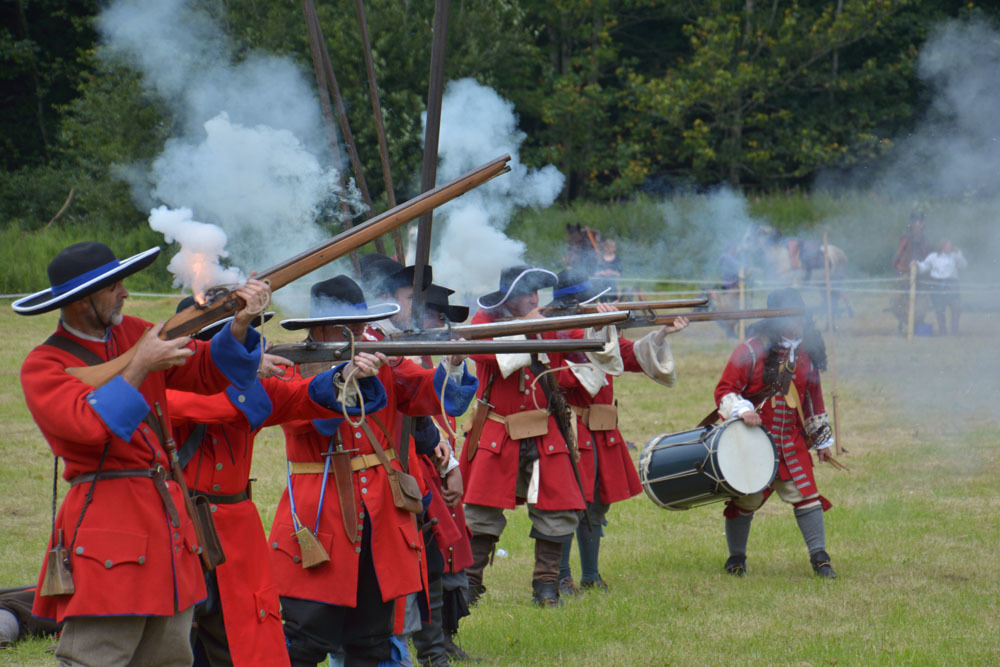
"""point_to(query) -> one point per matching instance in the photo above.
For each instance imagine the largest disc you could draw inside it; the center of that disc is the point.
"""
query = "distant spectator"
(912, 248)
(943, 266)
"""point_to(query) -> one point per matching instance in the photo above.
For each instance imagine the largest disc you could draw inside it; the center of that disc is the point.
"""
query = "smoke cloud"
(202, 245)
(469, 245)
(251, 153)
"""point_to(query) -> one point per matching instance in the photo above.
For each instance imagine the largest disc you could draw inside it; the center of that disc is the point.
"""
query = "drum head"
(746, 457)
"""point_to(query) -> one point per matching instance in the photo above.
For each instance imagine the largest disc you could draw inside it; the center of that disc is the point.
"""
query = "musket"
(308, 352)
(640, 320)
(625, 305)
(221, 302)
(514, 327)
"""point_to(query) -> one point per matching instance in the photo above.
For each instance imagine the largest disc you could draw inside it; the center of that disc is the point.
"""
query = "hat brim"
(453, 313)
(44, 301)
(378, 312)
(529, 281)
(590, 295)
(209, 332)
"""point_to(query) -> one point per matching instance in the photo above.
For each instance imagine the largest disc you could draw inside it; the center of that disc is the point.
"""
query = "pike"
(513, 327)
(625, 305)
(637, 320)
(309, 352)
(222, 302)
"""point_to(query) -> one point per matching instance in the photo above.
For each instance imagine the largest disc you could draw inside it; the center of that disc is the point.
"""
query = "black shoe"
(546, 594)
(567, 587)
(736, 565)
(598, 585)
(474, 593)
(821, 565)
(456, 652)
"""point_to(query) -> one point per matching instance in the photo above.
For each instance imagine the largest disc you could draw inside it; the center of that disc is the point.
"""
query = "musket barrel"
(514, 327)
(309, 352)
(662, 304)
(712, 316)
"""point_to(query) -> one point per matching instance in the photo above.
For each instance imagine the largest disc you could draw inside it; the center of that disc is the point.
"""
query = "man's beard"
(116, 318)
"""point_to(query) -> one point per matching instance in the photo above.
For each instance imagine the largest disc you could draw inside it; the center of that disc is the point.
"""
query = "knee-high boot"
(482, 549)
(545, 579)
(429, 640)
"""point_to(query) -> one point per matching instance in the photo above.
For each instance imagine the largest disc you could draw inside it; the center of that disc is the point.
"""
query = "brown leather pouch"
(212, 554)
(405, 491)
(313, 553)
(527, 424)
(58, 577)
(476, 431)
(602, 417)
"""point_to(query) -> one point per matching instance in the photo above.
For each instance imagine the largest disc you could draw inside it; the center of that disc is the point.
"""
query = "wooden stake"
(913, 301)
(741, 326)
(831, 348)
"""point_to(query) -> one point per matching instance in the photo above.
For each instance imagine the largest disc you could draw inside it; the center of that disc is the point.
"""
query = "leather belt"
(497, 417)
(580, 412)
(361, 462)
(217, 499)
(120, 474)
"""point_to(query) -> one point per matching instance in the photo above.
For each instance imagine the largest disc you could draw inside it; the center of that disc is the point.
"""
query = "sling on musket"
(639, 320)
(222, 302)
(514, 327)
(308, 352)
(662, 304)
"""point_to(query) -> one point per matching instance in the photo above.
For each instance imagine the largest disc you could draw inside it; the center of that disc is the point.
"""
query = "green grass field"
(913, 532)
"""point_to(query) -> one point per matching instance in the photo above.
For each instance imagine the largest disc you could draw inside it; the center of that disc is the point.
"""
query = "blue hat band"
(572, 289)
(83, 278)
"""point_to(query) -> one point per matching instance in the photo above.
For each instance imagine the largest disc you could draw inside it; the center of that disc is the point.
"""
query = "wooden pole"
(913, 301)
(831, 347)
(428, 174)
(741, 325)
(383, 144)
(331, 128)
(345, 127)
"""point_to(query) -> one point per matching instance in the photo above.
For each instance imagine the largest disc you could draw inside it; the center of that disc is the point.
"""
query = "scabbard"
(341, 464)
(478, 421)
(160, 482)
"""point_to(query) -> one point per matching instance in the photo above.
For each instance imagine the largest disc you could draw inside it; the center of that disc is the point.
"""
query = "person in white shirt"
(942, 266)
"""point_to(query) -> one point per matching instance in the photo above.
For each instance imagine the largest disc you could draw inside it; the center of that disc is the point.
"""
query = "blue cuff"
(120, 406)
(328, 426)
(322, 391)
(426, 500)
(457, 397)
(425, 435)
(239, 363)
(254, 403)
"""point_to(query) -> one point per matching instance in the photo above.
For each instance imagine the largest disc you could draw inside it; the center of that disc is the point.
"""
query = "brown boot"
(545, 579)
(482, 553)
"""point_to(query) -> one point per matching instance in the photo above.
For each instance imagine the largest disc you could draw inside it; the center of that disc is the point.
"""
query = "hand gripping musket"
(222, 302)
(644, 320)
(514, 327)
(625, 305)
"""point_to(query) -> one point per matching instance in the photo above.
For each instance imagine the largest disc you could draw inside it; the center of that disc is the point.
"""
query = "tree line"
(623, 96)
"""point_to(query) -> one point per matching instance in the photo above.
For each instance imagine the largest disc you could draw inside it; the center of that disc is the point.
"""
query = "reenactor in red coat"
(122, 532)
(345, 543)
(520, 455)
(606, 468)
(782, 359)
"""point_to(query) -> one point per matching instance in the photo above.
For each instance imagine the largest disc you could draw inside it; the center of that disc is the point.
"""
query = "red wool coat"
(744, 375)
(127, 558)
(221, 466)
(397, 548)
(619, 479)
(491, 477)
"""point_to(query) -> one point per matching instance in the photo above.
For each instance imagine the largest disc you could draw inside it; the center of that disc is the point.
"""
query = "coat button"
(493, 444)
(364, 479)
(177, 536)
(142, 559)
(216, 487)
(361, 515)
(108, 564)
(263, 613)
(79, 550)
(357, 434)
(365, 490)
(551, 447)
(274, 544)
(295, 559)
(612, 439)
(357, 550)
(213, 508)
(241, 398)
(218, 466)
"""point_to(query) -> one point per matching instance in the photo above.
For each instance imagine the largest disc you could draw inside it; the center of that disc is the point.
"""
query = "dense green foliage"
(623, 96)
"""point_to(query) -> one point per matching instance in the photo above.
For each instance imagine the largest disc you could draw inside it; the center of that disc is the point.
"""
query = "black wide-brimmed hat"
(339, 300)
(215, 327)
(80, 270)
(517, 281)
(437, 300)
(381, 274)
(574, 287)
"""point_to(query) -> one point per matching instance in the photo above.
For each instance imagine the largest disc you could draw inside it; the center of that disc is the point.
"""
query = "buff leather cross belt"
(357, 463)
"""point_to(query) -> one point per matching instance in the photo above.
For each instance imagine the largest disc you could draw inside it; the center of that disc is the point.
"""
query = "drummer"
(772, 380)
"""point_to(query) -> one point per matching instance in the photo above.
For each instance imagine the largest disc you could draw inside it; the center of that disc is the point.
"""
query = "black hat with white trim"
(437, 300)
(517, 281)
(215, 327)
(339, 300)
(79, 271)
(574, 288)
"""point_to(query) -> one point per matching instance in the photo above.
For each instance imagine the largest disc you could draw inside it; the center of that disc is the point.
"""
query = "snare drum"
(679, 471)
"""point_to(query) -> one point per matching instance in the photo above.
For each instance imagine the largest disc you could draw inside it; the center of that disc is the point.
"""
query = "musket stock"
(663, 304)
(638, 320)
(309, 352)
(222, 303)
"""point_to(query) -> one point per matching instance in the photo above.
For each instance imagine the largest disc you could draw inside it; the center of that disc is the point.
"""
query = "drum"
(705, 465)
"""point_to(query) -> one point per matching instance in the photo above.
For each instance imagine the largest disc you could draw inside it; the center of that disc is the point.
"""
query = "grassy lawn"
(912, 534)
